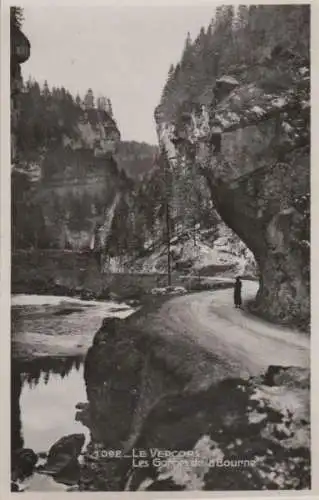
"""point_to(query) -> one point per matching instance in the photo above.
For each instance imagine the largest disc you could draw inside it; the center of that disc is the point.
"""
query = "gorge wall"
(251, 141)
(162, 392)
(66, 187)
(19, 53)
(161, 409)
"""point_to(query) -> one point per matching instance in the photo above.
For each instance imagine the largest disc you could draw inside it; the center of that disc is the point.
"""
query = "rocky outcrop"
(156, 425)
(71, 191)
(136, 158)
(238, 435)
(253, 147)
(62, 461)
(17, 441)
(22, 463)
(19, 53)
(65, 182)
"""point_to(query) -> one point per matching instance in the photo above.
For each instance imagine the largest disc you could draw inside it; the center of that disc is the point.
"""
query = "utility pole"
(169, 274)
(167, 215)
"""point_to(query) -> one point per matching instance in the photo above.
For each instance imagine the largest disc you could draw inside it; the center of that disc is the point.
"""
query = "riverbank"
(195, 376)
(50, 339)
(57, 326)
(77, 274)
(149, 372)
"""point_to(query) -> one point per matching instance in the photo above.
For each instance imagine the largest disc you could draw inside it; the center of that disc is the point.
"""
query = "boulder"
(14, 487)
(237, 435)
(289, 376)
(63, 454)
(23, 463)
(254, 152)
(108, 329)
(82, 406)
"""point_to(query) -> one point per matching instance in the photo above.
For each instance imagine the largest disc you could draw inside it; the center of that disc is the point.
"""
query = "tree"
(186, 56)
(109, 108)
(188, 42)
(78, 100)
(241, 19)
(16, 17)
(89, 99)
(46, 90)
(171, 72)
(101, 103)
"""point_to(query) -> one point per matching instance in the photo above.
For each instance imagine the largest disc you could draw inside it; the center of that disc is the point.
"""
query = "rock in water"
(64, 453)
(14, 486)
(23, 463)
(290, 376)
(82, 405)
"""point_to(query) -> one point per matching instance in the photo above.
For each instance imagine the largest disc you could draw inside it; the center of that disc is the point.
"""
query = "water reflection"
(16, 386)
(44, 393)
(31, 372)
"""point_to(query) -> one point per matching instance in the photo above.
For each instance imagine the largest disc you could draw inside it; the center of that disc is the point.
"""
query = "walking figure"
(237, 292)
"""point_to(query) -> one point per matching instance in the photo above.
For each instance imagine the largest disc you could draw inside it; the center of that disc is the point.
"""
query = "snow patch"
(184, 472)
(169, 290)
(287, 127)
(224, 122)
(280, 102)
(305, 104)
(255, 417)
(227, 79)
(304, 70)
(259, 111)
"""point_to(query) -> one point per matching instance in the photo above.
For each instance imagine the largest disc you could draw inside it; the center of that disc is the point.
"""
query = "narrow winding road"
(247, 344)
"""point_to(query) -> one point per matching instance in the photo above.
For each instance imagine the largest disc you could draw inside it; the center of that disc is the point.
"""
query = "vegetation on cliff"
(60, 152)
(136, 158)
(240, 43)
(64, 147)
(236, 108)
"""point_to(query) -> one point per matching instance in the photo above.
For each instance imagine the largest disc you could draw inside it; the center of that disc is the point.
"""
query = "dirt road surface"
(244, 344)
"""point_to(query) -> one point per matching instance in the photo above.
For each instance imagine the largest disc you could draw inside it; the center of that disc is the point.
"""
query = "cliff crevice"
(253, 148)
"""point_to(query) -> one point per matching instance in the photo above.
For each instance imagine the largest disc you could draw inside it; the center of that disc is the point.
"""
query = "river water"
(50, 337)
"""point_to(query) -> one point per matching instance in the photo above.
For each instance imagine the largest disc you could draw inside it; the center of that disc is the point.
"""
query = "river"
(50, 337)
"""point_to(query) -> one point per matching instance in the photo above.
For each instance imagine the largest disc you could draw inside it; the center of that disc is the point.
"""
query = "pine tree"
(171, 72)
(241, 17)
(188, 42)
(89, 99)
(187, 51)
(46, 90)
(101, 103)
(78, 100)
(16, 17)
(109, 107)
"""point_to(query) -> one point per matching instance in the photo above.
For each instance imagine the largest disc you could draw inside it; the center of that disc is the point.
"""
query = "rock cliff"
(251, 142)
(70, 187)
(19, 53)
(146, 402)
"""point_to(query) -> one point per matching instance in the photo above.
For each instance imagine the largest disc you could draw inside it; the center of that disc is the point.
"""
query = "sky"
(121, 52)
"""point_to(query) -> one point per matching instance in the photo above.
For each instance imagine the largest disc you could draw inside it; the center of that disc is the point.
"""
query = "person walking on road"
(237, 292)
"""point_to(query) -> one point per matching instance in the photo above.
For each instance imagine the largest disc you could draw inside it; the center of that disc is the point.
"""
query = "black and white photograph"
(160, 247)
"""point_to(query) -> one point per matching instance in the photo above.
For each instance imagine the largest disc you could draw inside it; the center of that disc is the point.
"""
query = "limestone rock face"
(64, 192)
(233, 433)
(253, 148)
(19, 53)
(238, 435)
(122, 382)
(71, 189)
(63, 454)
(23, 463)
